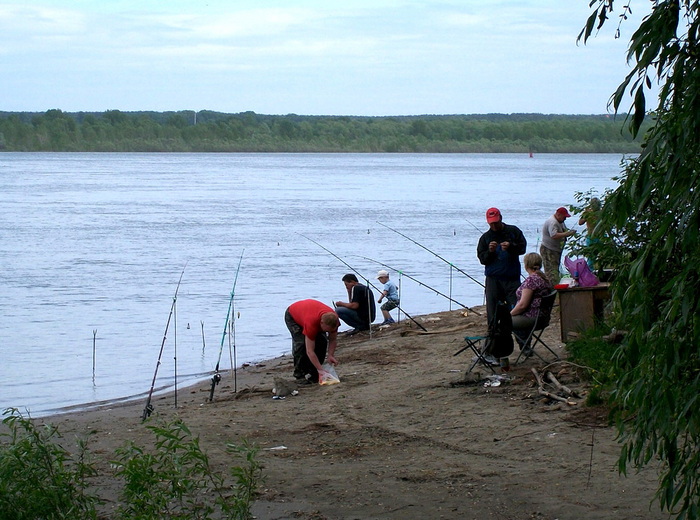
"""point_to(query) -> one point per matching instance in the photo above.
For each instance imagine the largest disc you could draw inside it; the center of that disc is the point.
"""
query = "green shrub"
(594, 354)
(38, 477)
(176, 481)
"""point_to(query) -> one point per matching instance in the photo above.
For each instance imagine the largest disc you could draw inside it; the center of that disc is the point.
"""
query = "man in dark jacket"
(499, 250)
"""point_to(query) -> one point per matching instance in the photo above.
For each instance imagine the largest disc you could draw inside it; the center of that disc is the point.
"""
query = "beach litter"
(497, 380)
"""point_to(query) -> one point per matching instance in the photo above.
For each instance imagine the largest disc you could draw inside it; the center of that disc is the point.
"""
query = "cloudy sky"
(311, 57)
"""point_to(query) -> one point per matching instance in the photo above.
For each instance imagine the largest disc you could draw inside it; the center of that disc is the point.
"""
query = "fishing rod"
(422, 284)
(148, 409)
(175, 354)
(358, 273)
(473, 225)
(434, 253)
(216, 378)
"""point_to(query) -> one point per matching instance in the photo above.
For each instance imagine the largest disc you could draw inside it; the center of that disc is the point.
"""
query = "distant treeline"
(207, 131)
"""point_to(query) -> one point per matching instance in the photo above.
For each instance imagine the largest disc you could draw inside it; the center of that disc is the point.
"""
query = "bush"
(176, 481)
(172, 480)
(39, 478)
(595, 354)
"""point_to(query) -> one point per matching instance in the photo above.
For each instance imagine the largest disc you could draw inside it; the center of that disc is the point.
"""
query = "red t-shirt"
(307, 314)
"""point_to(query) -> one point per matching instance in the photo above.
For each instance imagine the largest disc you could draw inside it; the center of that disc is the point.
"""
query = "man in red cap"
(554, 235)
(498, 251)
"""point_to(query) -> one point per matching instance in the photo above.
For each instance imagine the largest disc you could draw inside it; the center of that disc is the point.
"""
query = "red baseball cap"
(563, 211)
(493, 215)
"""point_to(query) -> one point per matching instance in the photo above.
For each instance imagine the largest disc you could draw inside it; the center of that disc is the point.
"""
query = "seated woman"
(529, 294)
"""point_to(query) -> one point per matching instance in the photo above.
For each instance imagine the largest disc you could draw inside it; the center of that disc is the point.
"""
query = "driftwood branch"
(545, 393)
(559, 386)
(537, 377)
(615, 337)
(442, 331)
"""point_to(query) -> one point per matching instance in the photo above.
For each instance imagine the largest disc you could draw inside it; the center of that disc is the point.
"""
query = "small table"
(580, 307)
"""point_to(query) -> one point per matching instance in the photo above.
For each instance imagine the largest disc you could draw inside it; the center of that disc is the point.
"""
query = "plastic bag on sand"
(329, 376)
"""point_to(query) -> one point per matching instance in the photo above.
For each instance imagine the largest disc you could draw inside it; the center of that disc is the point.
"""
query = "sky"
(309, 57)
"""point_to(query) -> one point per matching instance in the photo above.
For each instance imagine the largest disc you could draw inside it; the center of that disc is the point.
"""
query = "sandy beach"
(404, 435)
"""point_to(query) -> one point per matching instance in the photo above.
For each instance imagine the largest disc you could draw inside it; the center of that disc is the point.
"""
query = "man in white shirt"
(554, 235)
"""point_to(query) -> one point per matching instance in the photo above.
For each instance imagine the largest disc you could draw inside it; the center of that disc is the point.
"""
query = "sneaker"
(352, 332)
(488, 359)
(389, 321)
(302, 381)
(491, 360)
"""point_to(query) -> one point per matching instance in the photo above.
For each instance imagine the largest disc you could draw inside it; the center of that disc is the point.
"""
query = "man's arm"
(563, 234)
(311, 352)
(352, 305)
(332, 345)
(518, 245)
(483, 253)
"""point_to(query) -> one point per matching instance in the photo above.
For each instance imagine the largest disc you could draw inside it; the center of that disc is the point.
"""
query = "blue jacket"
(502, 265)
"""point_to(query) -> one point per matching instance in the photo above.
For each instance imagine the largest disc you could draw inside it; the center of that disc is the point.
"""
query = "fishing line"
(216, 378)
(434, 253)
(360, 275)
(421, 284)
(148, 409)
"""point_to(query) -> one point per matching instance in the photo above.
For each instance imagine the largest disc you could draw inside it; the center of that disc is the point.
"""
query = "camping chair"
(498, 340)
(544, 315)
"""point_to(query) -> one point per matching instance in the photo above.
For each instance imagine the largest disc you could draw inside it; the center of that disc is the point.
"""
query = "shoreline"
(404, 435)
(248, 369)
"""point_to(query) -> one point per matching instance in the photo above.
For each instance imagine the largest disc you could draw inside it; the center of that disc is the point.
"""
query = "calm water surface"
(92, 246)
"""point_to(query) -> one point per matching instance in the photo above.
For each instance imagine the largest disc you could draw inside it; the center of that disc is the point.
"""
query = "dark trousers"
(352, 318)
(500, 291)
(522, 326)
(302, 363)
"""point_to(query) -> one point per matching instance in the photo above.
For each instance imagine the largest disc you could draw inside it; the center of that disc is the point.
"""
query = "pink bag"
(579, 270)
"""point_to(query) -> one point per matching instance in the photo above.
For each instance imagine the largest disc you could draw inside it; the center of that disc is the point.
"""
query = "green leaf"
(639, 111)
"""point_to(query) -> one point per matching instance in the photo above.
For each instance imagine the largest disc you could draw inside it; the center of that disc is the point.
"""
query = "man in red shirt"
(314, 329)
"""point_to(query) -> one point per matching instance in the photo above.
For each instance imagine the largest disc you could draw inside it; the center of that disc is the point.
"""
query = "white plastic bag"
(329, 376)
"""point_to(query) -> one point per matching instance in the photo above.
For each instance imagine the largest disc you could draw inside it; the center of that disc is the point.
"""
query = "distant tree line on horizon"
(208, 131)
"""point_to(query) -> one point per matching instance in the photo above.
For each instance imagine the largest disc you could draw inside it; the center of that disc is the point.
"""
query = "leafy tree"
(171, 131)
(649, 232)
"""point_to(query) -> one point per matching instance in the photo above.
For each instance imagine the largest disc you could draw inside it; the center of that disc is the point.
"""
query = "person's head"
(383, 276)
(494, 219)
(594, 204)
(329, 322)
(532, 262)
(350, 280)
(561, 214)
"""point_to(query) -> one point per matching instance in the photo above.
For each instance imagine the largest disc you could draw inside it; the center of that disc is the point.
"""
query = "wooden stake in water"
(94, 353)
(203, 342)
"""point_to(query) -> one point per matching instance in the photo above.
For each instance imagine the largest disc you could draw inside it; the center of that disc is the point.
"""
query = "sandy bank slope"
(403, 437)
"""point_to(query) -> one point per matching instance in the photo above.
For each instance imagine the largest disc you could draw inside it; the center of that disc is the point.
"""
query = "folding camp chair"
(497, 342)
(479, 346)
(534, 335)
